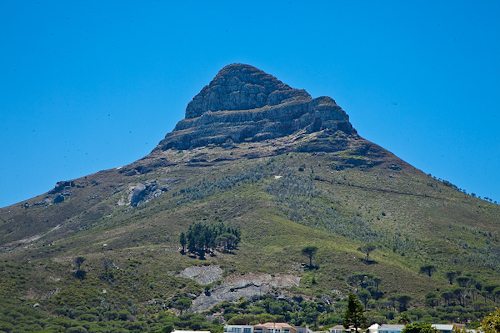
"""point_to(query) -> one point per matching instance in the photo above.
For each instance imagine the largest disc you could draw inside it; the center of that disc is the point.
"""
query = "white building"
(238, 329)
(443, 328)
(388, 328)
(374, 328)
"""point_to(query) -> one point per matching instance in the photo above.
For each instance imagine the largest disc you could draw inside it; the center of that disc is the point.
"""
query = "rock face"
(249, 285)
(145, 192)
(204, 275)
(242, 103)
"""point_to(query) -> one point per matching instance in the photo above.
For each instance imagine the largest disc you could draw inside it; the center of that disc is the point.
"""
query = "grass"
(413, 218)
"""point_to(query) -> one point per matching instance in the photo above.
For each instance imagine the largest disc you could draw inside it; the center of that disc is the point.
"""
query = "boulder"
(145, 192)
(58, 198)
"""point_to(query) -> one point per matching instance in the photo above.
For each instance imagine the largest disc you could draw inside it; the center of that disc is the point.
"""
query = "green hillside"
(102, 253)
(412, 219)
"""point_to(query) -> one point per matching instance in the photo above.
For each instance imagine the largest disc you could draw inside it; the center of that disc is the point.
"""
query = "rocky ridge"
(244, 104)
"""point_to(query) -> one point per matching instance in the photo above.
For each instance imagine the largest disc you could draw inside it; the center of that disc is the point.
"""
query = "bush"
(77, 329)
(6, 326)
(123, 315)
(111, 315)
(87, 317)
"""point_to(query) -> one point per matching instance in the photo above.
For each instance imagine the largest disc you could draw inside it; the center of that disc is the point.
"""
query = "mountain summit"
(243, 103)
(242, 87)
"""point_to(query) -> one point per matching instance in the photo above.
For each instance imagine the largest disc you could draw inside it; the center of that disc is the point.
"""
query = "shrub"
(77, 329)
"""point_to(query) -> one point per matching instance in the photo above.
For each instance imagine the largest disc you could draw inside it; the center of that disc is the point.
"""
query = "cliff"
(242, 103)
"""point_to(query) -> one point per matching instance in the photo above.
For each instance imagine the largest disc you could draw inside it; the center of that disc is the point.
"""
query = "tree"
(403, 319)
(447, 296)
(431, 299)
(463, 281)
(310, 251)
(451, 275)
(364, 295)
(182, 240)
(377, 281)
(428, 269)
(227, 241)
(204, 238)
(367, 249)
(167, 328)
(403, 300)
(182, 304)
(491, 323)
(489, 288)
(79, 273)
(354, 314)
(79, 261)
(460, 295)
(496, 293)
(418, 328)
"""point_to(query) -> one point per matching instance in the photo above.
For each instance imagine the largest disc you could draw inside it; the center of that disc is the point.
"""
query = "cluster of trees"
(469, 298)
(25, 319)
(465, 293)
(367, 285)
(355, 316)
(202, 238)
(269, 307)
(300, 199)
(455, 187)
(296, 311)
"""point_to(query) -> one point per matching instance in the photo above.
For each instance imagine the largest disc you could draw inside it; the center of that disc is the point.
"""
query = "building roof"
(274, 325)
(443, 327)
(337, 327)
(391, 327)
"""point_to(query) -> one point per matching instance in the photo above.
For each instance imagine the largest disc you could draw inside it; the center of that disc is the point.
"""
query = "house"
(303, 329)
(388, 328)
(238, 328)
(181, 331)
(443, 328)
(337, 329)
(374, 328)
(274, 328)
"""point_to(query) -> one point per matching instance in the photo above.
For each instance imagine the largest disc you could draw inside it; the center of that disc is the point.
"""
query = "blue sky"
(92, 85)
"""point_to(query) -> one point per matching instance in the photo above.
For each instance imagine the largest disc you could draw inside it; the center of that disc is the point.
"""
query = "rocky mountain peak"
(242, 87)
(243, 103)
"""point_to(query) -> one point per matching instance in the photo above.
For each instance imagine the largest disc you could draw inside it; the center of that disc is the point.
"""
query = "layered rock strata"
(242, 103)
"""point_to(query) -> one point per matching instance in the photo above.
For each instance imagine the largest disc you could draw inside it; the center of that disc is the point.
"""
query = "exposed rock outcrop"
(242, 103)
(248, 286)
(202, 274)
(63, 186)
(145, 192)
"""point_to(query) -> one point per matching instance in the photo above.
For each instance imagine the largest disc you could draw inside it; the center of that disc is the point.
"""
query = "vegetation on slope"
(281, 204)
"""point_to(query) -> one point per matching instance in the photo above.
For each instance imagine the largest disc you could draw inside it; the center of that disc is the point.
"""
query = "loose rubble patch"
(202, 274)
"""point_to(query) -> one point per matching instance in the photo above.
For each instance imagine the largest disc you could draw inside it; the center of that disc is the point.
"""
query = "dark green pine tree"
(354, 315)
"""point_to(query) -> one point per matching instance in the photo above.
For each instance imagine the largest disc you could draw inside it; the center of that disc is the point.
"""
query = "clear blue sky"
(92, 85)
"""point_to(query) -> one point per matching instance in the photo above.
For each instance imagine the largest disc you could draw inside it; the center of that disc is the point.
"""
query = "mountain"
(244, 104)
(283, 171)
